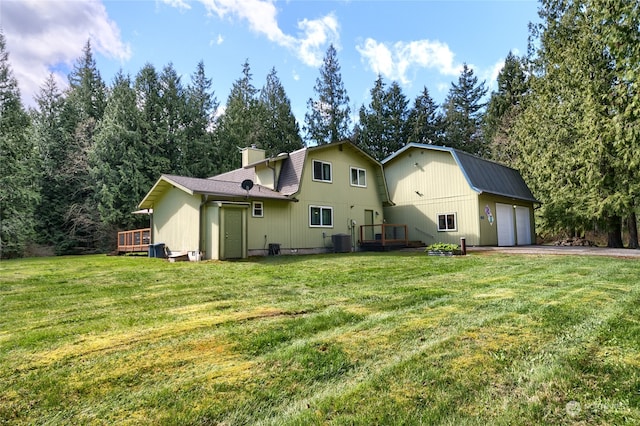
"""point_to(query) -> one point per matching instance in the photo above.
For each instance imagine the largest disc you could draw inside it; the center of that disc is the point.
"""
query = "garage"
(514, 225)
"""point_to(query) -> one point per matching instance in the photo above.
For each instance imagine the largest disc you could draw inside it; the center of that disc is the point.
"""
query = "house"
(291, 203)
(444, 194)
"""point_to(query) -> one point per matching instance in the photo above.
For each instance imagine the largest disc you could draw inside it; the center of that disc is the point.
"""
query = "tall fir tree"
(149, 103)
(197, 149)
(425, 121)
(328, 117)
(504, 105)
(171, 132)
(118, 160)
(463, 110)
(383, 127)
(18, 175)
(241, 125)
(83, 109)
(282, 133)
(51, 137)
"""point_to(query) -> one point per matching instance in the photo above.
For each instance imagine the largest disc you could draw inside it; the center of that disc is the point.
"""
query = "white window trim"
(358, 184)
(311, 207)
(261, 208)
(455, 220)
(313, 170)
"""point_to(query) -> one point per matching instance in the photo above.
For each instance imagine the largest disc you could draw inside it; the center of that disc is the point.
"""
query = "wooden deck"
(134, 241)
(384, 236)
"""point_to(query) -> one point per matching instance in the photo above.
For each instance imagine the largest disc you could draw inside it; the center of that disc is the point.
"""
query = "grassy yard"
(363, 338)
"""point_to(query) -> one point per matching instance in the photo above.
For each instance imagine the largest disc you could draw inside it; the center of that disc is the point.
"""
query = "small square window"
(358, 177)
(258, 209)
(447, 222)
(320, 216)
(321, 171)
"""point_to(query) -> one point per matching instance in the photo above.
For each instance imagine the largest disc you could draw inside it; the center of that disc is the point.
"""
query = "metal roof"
(483, 176)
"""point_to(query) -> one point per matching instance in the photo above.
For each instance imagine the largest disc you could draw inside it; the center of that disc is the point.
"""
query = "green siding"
(176, 219)
(424, 184)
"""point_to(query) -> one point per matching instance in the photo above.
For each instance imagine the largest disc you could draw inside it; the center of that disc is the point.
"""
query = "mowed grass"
(364, 338)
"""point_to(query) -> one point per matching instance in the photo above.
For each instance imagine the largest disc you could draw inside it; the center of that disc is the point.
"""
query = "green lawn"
(364, 338)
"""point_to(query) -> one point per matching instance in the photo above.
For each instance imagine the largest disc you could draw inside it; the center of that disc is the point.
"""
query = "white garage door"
(504, 222)
(523, 226)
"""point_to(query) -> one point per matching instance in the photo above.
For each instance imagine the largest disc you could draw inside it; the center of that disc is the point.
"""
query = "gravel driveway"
(588, 251)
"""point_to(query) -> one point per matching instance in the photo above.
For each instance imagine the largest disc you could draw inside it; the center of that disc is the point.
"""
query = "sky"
(418, 43)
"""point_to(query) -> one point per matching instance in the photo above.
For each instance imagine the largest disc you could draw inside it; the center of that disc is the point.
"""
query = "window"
(447, 222)
(358, 177)
(321, 171)
(320, 216)
(258, 209)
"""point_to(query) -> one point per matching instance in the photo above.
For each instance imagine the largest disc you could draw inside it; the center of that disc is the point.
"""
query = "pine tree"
(51, 138)
(328, 117)
(82, 110)
(18, 176)
(463, 114)
(149, 103)
(425, 122)
(171, 131)
(241, 124)
(504, 105)
(282, 133)
(118, 160)
(196, 152)
(383, 127)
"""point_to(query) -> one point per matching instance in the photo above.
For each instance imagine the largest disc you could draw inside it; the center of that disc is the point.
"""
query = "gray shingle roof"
(482, 175)
(222, 188)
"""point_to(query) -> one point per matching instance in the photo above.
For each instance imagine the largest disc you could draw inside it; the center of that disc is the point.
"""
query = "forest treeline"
(75, 166)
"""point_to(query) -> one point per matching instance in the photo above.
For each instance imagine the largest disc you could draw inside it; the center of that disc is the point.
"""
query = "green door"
(233, 235)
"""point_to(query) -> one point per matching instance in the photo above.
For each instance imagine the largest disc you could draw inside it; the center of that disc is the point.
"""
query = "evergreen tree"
(383, 127)
(328, 117)
(282, 133)
(503, 107)
(18, 190)
(425, 121)
(196, 152)
(149, 104)
(242, 122)
(82, 110)
(463, 114)
(578, 131)
(118, 160)
(51, 138)
(171, 132)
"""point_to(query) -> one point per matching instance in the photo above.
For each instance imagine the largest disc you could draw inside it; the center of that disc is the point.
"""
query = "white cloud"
(308, 45)
(42, 36)
(396, 61)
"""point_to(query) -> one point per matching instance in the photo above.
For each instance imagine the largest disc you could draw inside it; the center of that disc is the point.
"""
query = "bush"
(443, 247)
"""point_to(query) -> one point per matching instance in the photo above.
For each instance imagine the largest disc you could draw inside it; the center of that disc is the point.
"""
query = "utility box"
(341, 243)
(157, 250)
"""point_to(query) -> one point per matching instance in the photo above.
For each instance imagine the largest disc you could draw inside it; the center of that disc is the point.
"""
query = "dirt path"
(588, 251)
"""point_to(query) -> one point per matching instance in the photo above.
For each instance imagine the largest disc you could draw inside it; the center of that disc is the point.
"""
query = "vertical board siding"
(176, 220)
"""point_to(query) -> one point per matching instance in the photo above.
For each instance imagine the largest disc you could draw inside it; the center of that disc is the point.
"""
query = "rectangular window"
(320, 216)
(258, 209)
(358, 177)
(321, 171)
(447, 222)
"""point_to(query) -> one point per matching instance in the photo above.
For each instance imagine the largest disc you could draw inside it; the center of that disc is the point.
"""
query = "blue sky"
(415, 42)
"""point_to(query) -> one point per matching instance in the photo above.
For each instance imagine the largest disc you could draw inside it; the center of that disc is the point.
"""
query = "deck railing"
(134, 241)
(384, 234)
